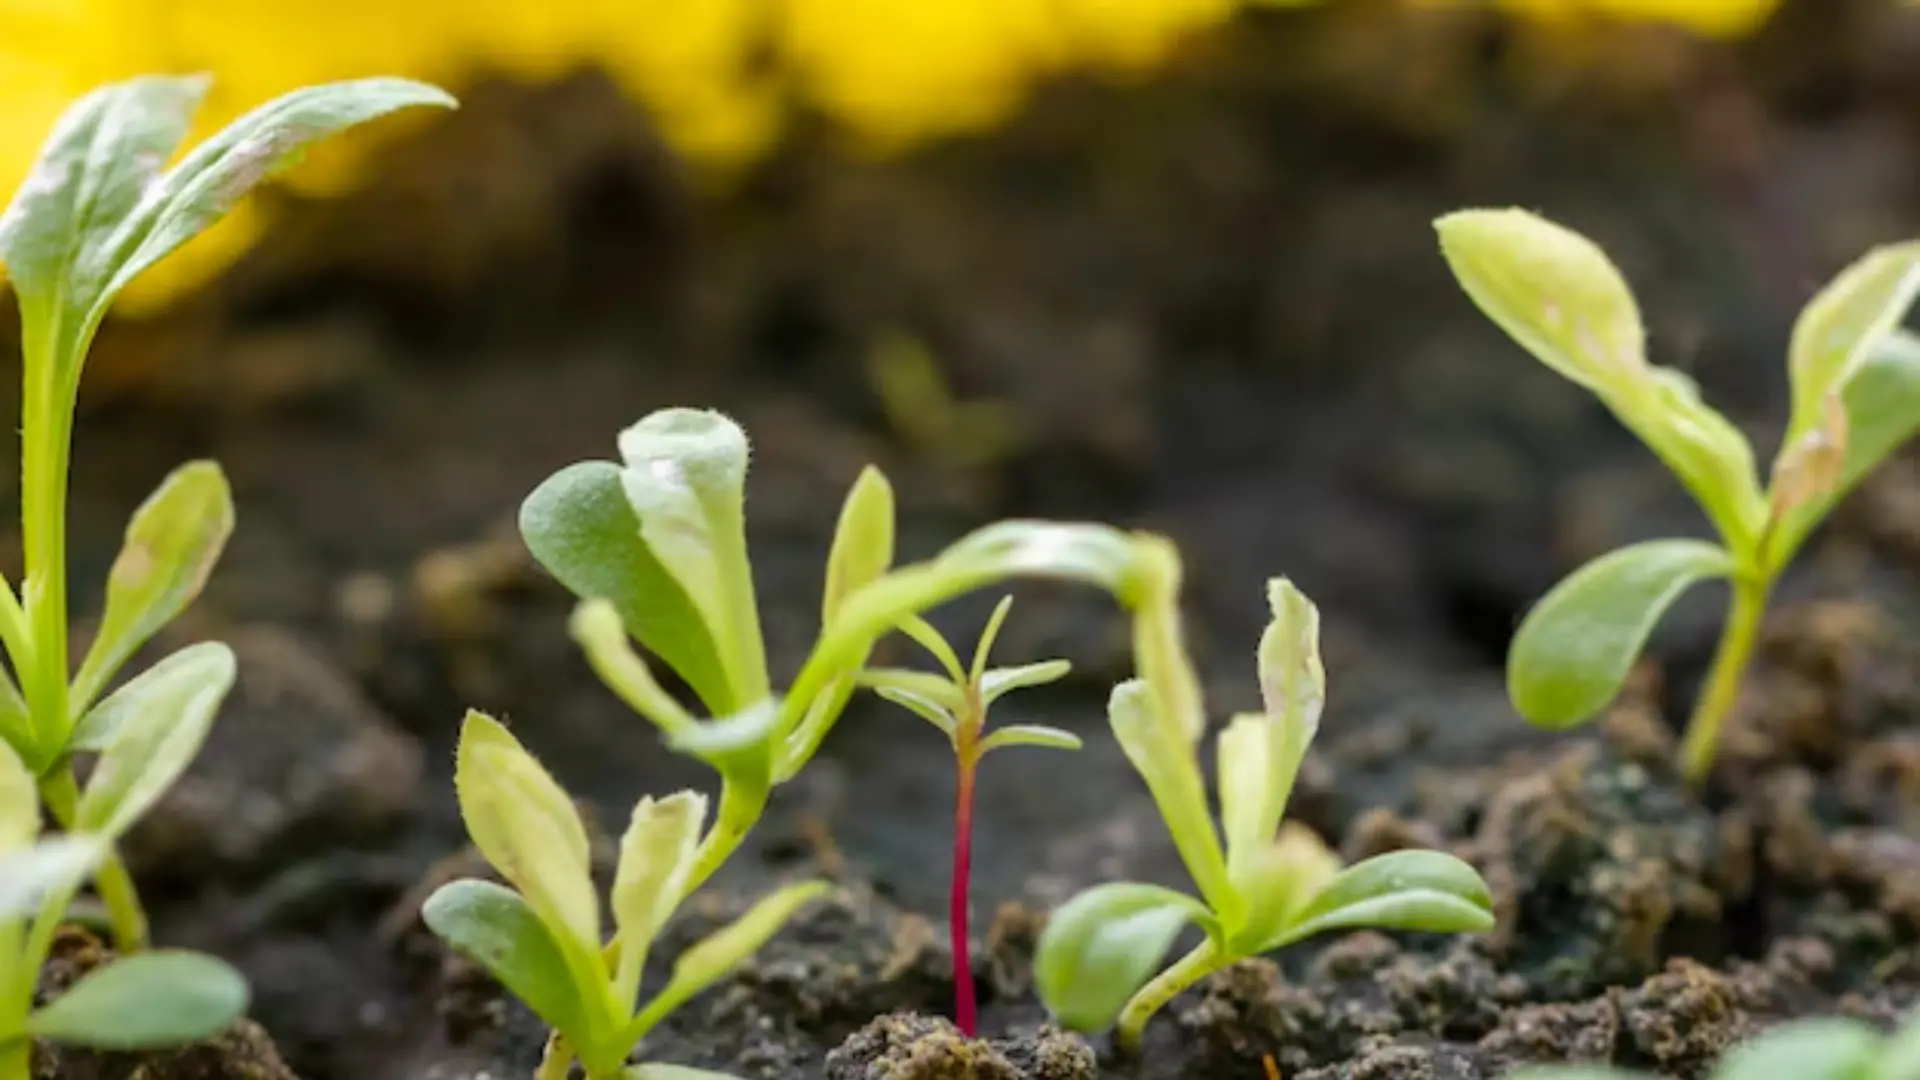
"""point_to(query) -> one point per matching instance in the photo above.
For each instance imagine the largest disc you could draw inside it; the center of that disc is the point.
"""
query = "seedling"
(1817, 1049)
(1272, 884)
(956, 702)
(543, 943)
(95, 211)
(1856, 398)
(655, 546)
(152, 999)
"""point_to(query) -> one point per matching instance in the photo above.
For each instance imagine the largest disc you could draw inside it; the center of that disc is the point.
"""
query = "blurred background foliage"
(722, 78)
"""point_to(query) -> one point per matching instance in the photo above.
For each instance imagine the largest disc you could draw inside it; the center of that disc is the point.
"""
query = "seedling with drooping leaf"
(542, 938)
(96, 210)
(1273, 882)
(1856, 398)
(1824, 1048)
(146, 1000)
(655, 547)
(956, 701)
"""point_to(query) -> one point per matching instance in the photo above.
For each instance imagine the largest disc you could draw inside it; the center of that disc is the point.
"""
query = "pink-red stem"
(965, 1007)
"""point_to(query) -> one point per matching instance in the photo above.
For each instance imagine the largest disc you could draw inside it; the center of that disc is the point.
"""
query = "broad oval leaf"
(170, 548)
(579, 525)
(1825, 1048)
(526, 827)
(104, 153)
(862, 542)
(1401, 890)
(215, 175)
(29, 875)
(149, 731)
(656, 859)
(494, 927)
(1040, 735)
(1553, 291)
(1575, 648)
(1839, 327)
(1102, 945)
(152, 999)
(713, 956)
(999, 682)
(685, 477)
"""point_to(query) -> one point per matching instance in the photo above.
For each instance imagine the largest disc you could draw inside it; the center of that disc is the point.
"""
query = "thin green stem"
(556, 1061)
(1204, 960)
(1744, 612)
(740, 808)
(46, 443)
(124, 911)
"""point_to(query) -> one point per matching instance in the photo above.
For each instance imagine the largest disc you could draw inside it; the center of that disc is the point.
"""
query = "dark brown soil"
(1211, 304)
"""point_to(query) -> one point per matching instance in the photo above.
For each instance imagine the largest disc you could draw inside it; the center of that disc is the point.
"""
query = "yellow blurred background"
(718, 75)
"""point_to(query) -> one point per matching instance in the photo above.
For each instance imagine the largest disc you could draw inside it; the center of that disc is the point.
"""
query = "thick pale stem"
(1204, 960)
(1722, 690)
(124, 912)
(965, 1002)
(45, 444)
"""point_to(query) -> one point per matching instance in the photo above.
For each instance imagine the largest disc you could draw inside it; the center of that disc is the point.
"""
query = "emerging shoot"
(655, 547)
(542, 938)
(956, 701)
(97, 210)
(152, 999)
(1273, 882)
(1856, 398)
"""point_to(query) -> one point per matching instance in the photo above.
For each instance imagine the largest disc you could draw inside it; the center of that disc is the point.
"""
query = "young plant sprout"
(1856, 397)
(541, 939)
(655, 547)
(95, 211)
(1825, 1048)
(1272, 883)
(956, 702)
(151, 999)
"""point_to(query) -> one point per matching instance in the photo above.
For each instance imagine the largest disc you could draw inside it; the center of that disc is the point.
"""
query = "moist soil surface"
(1209, 304)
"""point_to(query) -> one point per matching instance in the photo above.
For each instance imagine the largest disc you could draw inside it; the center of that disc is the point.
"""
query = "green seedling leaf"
(933, 712)
(170, 547)
(922, 632)
(16, 723)
(656, 857)
(1276, 882)
(19, 802)
(149, 731)
(1553, 291)
(738, 746)
(1093, 554)
(714, 956)
(218, 173)
(526, 827)
(920, 684)
(495, 928)
(983, 648)
(1164, 759)
(1703, 449)
(999, 682)
(1900, 1055)
(1260, 756)
(29, 875)
(1574, 649)
(863, 541)
(685, 473)
(1030, 735)
(103, 155)
(1818, 1049)
(1104, 944)
(1839, 328)
(1401, 890)
(579, 525)
(140, 1002)
(1883, 413)
(596, 628)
